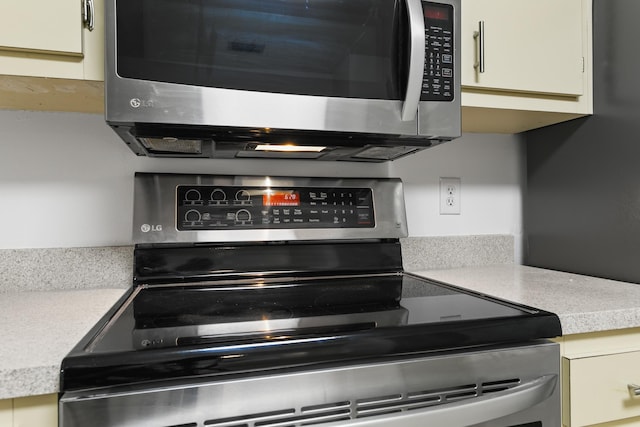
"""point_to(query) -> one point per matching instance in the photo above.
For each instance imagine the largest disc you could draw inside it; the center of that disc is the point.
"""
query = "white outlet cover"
(450, 196)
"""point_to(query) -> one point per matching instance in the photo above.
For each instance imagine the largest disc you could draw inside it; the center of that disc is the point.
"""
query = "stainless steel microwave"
(359, 80)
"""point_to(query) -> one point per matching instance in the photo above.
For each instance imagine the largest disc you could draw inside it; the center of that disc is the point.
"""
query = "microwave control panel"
(439, 67)
(232, 207)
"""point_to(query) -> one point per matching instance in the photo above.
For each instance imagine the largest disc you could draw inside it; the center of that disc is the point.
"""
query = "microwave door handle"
(416, 60)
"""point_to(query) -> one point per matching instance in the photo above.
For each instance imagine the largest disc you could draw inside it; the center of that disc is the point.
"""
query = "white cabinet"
(529, 46)
(41, 411)
(597, 369)
(42, 26)
(536, 58)
(47, 38)
(6, 412)
(48, 59)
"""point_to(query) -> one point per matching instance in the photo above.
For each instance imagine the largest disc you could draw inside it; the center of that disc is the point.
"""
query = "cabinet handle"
(634, 389)
(88, 12)
(479, 38)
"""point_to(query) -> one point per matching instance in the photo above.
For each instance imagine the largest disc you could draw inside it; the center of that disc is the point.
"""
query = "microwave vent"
(173, 145)
(384, 153)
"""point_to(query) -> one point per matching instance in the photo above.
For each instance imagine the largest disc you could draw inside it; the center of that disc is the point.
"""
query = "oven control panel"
(203, 209)
(214, 207)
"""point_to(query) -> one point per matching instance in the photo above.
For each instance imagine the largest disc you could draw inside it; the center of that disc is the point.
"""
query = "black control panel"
(438, 80)
(229, 207)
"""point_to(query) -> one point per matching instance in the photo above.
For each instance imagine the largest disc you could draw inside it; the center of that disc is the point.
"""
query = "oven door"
(338, 66)
(515, 386)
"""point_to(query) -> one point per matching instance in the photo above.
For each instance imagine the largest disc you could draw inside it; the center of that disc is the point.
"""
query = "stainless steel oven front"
(510, 386)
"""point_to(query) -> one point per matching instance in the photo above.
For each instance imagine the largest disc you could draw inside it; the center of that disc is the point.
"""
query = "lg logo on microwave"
(140, 103)
(145, 228)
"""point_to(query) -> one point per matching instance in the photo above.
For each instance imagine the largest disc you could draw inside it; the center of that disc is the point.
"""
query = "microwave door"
(299, 65)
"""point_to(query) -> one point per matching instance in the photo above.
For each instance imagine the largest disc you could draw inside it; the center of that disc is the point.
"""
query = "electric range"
(262, 280)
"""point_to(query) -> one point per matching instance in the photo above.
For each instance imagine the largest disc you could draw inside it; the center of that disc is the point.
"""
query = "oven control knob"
(243, 215)
(192, 215)
(192, 196)
(243, 196)
(218, 195)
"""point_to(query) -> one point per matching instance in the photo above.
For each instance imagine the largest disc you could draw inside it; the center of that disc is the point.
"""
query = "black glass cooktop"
(243, 325)
(246, 312)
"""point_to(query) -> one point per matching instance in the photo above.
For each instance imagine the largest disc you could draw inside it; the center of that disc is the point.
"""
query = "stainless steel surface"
(175, 103)
(416, 59)
(479, 37)
(444, 118)
(168, 103)
(483, 388)
(634, 389)
(129, 101)
(154, 219)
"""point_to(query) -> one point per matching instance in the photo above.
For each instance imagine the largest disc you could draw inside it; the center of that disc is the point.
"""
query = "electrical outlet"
(450, 191)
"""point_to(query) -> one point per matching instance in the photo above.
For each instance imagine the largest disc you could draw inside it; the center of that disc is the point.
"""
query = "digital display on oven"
(203, 207)
(281, 198)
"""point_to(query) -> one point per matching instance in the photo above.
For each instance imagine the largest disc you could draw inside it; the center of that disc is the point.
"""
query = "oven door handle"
(416, 60)
(471, 412)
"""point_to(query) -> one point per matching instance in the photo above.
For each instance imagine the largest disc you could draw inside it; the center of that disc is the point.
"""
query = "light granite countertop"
(583, 304)
(40, 328)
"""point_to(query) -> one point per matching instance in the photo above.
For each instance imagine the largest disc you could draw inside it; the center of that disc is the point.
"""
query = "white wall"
(492, 172)
(66, 180)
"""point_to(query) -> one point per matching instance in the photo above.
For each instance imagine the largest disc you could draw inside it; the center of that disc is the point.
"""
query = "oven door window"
(333, 48)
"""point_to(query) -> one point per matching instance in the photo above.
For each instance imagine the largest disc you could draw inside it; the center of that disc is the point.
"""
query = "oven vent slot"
(390, 404)
(412, 401)
(494, 386)
(308, 415)
(360, 408)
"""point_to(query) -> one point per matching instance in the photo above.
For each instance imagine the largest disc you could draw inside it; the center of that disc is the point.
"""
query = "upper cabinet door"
(528, 46)
(42, 26)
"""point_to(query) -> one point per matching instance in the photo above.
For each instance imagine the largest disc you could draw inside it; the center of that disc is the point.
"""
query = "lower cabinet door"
(6, 412)
(599, 389)
(40, 411)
